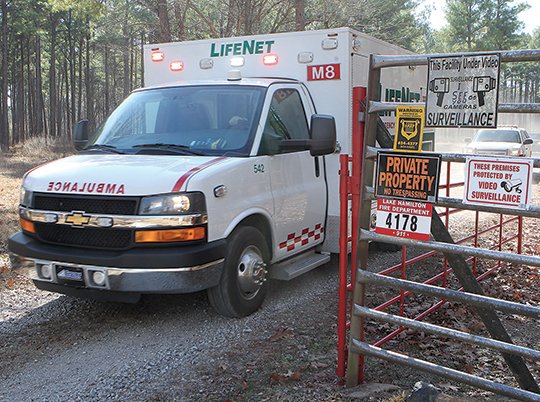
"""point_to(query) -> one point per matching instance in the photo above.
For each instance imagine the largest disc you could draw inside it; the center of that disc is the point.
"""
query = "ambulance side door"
(297, 179)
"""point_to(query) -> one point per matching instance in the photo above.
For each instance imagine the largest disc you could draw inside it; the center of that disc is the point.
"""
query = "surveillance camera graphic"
(512, 184)
(440, 86)
(481, 85)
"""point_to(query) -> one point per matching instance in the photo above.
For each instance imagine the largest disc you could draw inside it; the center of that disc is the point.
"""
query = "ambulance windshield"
(199, 120)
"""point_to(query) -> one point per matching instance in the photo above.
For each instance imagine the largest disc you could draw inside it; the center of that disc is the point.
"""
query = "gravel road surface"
(57, 348)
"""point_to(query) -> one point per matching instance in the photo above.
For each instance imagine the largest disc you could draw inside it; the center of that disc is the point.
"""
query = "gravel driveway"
(57, 348)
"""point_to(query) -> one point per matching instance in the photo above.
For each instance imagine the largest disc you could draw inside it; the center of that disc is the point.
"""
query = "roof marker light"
(238, 61)
(305, 57)
(206, 64)
(177, 65)
(270, 59)
(157, 55)
(329, 43)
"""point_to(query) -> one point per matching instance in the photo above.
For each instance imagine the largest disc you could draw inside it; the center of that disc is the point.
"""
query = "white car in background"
(509, 141)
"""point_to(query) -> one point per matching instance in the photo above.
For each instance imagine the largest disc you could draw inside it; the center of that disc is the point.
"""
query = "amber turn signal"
(169, 235)
(27, 226)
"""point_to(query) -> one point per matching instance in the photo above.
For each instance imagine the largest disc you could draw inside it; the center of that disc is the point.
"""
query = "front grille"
(112, 239)
(88, 203)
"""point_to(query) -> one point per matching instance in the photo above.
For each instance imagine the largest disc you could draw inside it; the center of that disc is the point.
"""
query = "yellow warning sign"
(409, 128)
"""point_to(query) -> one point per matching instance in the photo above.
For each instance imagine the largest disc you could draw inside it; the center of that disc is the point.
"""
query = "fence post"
(355, 373)
(343, 263)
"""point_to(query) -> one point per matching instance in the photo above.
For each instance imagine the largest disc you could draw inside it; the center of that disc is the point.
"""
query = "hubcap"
(251, 272)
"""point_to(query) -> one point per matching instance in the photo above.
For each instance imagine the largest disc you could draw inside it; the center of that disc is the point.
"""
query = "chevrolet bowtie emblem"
(78, 219)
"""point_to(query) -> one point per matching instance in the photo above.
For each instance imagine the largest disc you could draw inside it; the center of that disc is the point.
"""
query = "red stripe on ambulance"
(194, 170)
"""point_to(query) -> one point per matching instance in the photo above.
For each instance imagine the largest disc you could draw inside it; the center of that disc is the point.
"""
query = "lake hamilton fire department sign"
(463, 91)
(413, 177)
(498, 181)
(405, 219)
(409, 128)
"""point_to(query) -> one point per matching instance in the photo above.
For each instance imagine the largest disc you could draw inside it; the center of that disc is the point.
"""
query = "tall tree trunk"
(31, 117)
(66, 118)
(72, 109)
(89, 84)
(39, 107)
(53, 131)
(80, 77)
(107, 86)
(142, 59)
(300, 14)
(132, 66)
(125, 52)
(164, 23)
(4, 117)
(19, 82)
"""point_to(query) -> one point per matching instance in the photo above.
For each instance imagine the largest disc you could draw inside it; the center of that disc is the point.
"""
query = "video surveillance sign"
(463, 91)
(498, 181)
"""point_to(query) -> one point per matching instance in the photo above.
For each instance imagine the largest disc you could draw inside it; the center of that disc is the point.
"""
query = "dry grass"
(13, 165)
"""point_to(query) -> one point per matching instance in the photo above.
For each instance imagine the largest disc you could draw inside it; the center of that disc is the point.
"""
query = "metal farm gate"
(357, 192)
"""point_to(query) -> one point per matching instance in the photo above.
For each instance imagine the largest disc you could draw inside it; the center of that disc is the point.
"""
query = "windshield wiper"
(103, 147)
(183, 149)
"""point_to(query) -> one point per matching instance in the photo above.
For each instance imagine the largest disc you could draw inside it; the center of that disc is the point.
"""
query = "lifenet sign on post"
(498, 182)
(463, 91)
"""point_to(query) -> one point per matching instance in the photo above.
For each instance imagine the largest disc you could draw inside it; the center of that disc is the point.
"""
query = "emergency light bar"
(238, 61)
(270, 59)
(157, 55)
(177, 65)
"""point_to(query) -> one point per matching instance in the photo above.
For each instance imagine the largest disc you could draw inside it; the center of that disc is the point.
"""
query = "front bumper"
(182, 269)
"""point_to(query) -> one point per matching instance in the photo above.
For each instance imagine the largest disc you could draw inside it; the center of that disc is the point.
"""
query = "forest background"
(65, 60)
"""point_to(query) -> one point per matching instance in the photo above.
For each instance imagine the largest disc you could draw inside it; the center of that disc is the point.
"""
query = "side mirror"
(80, 135)
(528, 141)
(323, 135)
(467, 140)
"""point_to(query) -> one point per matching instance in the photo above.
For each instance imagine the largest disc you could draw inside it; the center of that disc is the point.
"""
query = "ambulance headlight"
(26, 197)
(170, 204)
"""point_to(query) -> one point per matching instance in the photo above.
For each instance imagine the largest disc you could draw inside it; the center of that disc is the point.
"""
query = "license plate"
(69, 275)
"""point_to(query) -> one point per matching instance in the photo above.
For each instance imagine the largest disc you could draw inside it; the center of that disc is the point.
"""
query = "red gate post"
(343, 262)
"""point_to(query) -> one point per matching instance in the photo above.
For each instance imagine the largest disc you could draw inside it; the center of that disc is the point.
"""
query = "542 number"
(402, 222)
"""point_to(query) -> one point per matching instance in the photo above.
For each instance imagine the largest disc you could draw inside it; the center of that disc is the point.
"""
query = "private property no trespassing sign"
(498, 181)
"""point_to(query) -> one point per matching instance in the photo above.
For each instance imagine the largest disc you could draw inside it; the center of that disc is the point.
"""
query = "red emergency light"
(177, 65)
(157, 55)
(270, 59)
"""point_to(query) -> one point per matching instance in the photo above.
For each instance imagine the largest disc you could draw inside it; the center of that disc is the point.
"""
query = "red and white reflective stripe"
(35, 168)
(194, 170)
(303, 238)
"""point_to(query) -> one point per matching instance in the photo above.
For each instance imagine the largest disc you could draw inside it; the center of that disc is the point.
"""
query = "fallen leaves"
(282, 333)
(289, 375)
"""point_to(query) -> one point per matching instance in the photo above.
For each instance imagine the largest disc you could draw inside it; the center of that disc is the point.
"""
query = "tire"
(242, 287)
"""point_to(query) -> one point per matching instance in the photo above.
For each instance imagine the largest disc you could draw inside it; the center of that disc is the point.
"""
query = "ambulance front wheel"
(242, 287)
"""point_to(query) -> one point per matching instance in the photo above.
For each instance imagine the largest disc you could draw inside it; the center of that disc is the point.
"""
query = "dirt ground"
(177, 348)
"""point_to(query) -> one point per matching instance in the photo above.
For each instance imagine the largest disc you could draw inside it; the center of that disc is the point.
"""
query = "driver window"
(286, 120)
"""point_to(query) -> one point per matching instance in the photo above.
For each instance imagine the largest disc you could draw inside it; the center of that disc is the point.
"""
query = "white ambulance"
(219, 174)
